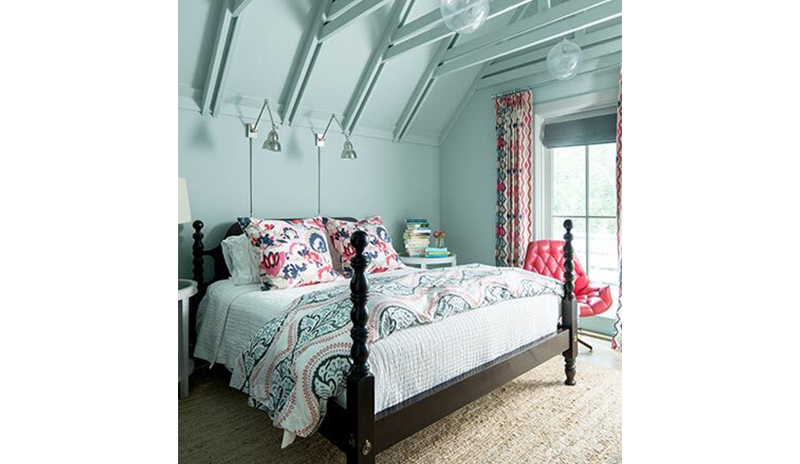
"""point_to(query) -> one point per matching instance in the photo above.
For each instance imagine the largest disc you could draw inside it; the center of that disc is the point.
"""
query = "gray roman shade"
(585, 131)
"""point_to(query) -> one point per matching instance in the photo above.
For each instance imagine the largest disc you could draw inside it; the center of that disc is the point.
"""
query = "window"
(584, 190)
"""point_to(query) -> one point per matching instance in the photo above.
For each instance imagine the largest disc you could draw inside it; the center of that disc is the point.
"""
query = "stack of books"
(432, 252)
(417, 236)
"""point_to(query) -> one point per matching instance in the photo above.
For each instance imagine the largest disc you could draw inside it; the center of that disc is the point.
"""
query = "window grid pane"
(569, 181)
(602, 180)
(584, 190)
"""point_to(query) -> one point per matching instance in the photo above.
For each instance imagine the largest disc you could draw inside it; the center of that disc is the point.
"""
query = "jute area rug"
(534, 419)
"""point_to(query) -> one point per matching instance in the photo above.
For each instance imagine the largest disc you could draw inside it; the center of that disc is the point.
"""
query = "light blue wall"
(394, 180)
(469, 163)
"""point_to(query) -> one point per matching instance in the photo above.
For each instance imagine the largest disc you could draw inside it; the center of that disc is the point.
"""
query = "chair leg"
(585, 344)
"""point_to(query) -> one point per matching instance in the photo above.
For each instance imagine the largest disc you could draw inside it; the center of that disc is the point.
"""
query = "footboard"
(366, 434)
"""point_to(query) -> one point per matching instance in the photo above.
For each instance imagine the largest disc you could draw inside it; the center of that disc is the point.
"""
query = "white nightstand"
(424, 262)
(186, 289)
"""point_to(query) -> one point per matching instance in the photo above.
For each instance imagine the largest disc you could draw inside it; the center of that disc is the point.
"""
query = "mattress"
(409, 362)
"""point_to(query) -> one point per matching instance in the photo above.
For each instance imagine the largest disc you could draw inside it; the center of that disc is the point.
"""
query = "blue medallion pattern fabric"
(514, 211)
(300, 359)
(380, 251)
(290, 253)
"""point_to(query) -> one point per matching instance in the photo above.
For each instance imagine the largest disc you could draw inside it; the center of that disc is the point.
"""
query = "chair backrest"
(546, 257)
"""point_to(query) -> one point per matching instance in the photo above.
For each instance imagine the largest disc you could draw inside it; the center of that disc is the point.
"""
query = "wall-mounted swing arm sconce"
(348, 152)
(272, 143)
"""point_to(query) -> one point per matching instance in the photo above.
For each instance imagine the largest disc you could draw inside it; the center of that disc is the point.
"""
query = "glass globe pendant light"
(464, 16)
(564, 60)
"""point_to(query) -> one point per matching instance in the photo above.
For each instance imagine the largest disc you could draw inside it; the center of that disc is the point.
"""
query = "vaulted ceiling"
(386, 66)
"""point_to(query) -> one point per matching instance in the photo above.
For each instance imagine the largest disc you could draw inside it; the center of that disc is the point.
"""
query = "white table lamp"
(184, 212)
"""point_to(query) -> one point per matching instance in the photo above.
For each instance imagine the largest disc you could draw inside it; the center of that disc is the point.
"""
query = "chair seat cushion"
(594, 301)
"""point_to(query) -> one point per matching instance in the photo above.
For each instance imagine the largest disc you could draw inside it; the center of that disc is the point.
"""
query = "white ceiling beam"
(603, 13)
(216, 58)
(363, 8)
(597, 64)
(338, 7)
(542, 19)
(539, 54)
(222, 55)
(239, 6)
(608, 48)
(437, 33)
(434, 18)
(441, 31)
(225, 66)
(304, 62)
(527, 10)
(421, 91)
(372, 70)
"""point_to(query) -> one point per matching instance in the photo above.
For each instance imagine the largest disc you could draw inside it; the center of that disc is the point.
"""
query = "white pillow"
(240, 258)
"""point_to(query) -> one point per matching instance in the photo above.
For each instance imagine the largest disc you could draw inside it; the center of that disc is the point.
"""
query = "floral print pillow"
(380, 251)
(291, 253)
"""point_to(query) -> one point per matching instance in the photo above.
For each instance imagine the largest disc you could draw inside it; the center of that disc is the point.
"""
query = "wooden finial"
(197, 252)
(359, 292)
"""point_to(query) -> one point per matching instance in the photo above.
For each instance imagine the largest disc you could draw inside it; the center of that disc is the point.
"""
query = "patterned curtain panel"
(616, 342)
(514, 221)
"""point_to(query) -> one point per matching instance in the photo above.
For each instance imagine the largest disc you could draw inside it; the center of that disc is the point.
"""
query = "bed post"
(360, 382)
(197, 259)
(569, 308)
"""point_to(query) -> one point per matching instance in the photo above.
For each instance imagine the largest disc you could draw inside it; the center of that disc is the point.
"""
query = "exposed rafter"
(608, 48)
(363, 8)
(434, 18)
(304, 62)
(222, 54)
(539, 54)
(238, 6)
(373, 68)
(338, 7)
(421, 91)
(216, 57)
(224, 70)
(603, 13)
(423, 87)
(538, 8)
(613, 60)
(440, 31)
(548, 16)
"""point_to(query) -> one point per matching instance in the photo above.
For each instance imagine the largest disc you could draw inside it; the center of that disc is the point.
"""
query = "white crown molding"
(247, 107)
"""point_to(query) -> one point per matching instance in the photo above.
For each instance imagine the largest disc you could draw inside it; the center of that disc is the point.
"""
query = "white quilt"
(405, 364)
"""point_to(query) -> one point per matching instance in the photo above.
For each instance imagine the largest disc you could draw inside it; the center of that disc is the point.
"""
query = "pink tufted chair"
(546, 257)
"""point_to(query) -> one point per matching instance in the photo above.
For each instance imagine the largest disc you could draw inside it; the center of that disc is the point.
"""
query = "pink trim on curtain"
(616, 342)
(514, 214)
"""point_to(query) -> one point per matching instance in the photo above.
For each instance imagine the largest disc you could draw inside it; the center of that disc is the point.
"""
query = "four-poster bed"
(360, 432)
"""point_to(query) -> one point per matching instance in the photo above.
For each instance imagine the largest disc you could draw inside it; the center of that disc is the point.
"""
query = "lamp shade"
(273, 143)
(348, 153)
(184, 212)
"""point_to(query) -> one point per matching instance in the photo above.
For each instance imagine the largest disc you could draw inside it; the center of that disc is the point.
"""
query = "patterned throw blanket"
(300, 359)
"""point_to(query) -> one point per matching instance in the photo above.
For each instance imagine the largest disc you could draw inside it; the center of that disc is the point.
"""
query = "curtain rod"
(510, 92)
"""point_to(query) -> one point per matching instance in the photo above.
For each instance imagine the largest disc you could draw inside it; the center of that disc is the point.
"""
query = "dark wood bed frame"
(357, 430)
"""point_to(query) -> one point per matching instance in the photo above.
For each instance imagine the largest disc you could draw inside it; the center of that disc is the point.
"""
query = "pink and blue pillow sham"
(380, 251)
(290, 253)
